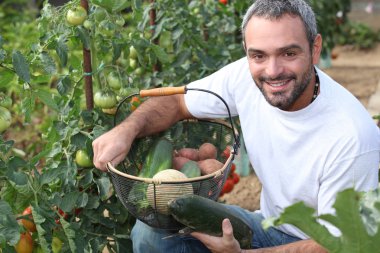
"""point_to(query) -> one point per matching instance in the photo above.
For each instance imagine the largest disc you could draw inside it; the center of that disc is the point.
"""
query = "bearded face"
(284, 98)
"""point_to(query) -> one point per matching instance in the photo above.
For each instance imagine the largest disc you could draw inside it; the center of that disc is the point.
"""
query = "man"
(306, 136)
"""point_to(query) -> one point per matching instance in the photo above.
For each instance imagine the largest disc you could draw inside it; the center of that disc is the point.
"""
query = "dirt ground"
(359, 72)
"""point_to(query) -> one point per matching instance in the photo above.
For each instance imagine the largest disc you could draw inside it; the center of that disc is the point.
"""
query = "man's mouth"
(278, 83)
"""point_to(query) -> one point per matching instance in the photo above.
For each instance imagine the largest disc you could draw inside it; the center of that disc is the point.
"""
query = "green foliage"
(357, 217)
(358, 34)
(41, 69)
(330, 16)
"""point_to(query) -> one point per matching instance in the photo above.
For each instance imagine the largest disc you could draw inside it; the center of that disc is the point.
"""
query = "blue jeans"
(147, 239)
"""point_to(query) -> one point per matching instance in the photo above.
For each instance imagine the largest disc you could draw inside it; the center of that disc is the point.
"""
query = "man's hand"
(112, 147)
(225, 244)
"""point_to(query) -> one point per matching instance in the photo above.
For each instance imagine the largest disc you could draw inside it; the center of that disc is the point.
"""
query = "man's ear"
(243, 44)
(317, 48)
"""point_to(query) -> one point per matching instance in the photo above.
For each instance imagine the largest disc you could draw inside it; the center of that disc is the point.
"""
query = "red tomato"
(223, 2)
(135, 102)
(233, 168)
(28, 224)
(228, 186)
(226, 152)
(25, 245)
(235, 178)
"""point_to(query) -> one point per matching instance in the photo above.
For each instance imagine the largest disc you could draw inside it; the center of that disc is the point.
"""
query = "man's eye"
(256, 56)
(290, 54)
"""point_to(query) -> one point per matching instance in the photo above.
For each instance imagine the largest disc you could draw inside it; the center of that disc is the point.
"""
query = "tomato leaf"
(9, 228)
(64, 85)
(27, 106)
(348, 219)
(84, 36)
(48, 63)
(68, 201)
(112, 5)
(21, 66)
(6, 79)
(82, 200)
(49, 176)
(47, 98)
(70, 234)
(104, 186)
(62, 51)
(3, 54)
(160, 53)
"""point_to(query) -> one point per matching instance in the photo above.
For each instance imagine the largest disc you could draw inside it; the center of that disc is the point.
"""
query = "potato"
(160, 194)
(179, 161)
(209, 166)
(207, 151)
(190, 153)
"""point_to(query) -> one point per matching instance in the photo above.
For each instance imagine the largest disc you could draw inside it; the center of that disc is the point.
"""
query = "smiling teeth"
(277, 84)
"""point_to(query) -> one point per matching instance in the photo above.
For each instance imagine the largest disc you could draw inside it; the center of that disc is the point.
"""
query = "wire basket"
(146, 198)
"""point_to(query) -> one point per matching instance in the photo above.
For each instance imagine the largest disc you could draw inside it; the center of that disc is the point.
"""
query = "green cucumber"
(191, 169)
(159, 158)
(205, 215)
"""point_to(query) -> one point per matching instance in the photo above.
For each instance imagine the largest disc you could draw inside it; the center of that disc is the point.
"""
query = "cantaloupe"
(160, 194)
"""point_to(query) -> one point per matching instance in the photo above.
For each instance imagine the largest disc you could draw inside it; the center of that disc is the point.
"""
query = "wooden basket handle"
(164, 91)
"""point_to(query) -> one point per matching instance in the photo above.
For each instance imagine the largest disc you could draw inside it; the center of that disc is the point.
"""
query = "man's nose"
(274, 68)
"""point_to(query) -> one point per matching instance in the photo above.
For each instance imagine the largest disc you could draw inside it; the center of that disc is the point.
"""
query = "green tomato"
(88, 24)
(133, 63)
(83, 159)
(100, 14)
(105, 99)
(107, 28)
(76, 16)
(56, 245)
(5, 119)
(132, 52)
(114, 81)
(120, 21)
(139, 71)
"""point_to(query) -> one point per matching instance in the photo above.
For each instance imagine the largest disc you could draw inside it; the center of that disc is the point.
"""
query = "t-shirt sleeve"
(202, 104)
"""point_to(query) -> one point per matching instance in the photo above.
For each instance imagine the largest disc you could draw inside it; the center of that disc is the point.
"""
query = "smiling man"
(306, 136)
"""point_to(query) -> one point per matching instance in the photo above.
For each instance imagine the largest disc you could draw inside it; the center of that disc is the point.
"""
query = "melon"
(160, 194)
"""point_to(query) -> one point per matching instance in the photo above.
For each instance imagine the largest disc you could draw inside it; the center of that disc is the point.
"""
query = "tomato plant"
(76, 16)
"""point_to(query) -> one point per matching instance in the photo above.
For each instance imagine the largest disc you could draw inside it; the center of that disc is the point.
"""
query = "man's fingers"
(228, 233)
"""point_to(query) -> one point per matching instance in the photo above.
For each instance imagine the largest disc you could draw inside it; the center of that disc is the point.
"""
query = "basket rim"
(111, 168)
(217, 173)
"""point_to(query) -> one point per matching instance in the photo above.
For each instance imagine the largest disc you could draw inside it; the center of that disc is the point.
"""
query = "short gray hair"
(275, 9)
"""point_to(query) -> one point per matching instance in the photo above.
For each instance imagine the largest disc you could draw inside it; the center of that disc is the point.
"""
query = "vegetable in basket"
(205, 215)
(159, 158)
(160, 194)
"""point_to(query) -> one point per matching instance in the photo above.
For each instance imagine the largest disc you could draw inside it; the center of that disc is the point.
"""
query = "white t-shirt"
(308, 155)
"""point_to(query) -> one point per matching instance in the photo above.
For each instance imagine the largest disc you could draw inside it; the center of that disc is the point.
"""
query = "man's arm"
(154, 115)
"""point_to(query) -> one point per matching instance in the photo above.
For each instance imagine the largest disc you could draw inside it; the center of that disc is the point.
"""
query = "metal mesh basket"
(146, 198)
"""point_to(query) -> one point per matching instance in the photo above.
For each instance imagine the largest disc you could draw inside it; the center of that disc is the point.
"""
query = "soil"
(356, 70)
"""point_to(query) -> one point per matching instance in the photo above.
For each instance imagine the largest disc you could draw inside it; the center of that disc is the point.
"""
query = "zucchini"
(159, 158)
(191, 169)
(205, 215)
